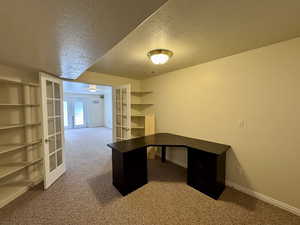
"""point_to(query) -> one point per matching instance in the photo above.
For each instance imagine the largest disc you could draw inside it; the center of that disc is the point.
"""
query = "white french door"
(74, 113)
(122, 113)
(53, 129)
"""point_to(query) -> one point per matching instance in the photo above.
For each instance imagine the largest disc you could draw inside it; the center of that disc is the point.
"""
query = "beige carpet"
(85, 195)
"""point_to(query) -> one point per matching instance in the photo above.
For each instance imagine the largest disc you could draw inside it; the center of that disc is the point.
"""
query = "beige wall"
(18, 74)
(105, 79)
(249, 101)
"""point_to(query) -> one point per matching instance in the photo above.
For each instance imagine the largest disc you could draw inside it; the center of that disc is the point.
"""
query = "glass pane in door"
(56, 90)
(59, 157)
(57, 107)
(78, 114)
(51, 144)
(57, 125)
(50, 108)
(49, 89)
(51, 126)
(52, 160)
(58, 141)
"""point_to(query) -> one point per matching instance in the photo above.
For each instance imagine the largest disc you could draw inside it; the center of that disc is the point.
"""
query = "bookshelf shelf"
(12, 190)
(12, 81)
(13, 147)
(18, 105)
(138, 115)
(141, 92)
(11, 168)
(13, 126)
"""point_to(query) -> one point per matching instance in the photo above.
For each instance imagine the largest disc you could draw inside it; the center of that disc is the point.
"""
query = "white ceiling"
(82, 88)
(199, 31)
(65, 37)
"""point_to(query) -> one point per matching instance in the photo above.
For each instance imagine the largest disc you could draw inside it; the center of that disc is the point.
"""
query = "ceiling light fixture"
(160, 56)
(92, 88)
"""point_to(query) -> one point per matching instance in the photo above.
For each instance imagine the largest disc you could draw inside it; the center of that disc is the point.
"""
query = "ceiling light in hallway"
(92, 88)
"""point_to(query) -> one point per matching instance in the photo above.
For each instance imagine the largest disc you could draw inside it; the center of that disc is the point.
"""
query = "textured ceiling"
(199, 31)
(65, 37)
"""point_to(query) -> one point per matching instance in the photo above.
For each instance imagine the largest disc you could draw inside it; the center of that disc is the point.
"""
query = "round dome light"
(92, 88)
(160, 56)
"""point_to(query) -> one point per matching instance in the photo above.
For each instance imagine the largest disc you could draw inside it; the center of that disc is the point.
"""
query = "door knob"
(47, 140)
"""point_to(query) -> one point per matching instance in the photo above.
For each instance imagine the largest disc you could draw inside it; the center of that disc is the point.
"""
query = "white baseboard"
(255, 194)
(264, 198)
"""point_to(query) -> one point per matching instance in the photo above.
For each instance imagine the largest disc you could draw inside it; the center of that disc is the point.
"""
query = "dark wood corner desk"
(206, 162)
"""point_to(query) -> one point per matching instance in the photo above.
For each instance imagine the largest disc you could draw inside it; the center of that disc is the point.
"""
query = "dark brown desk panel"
(169, 140)
(206, 172)
(129, 170)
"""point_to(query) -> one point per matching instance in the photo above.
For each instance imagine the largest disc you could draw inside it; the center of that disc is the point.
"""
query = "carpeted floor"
(85, 195)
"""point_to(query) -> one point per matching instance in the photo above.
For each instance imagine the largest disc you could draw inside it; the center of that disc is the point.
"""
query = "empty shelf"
(13, 190)
(11, 168)
(121, 126)
(5, 127)
(137, 127)
(8, 170)
(11, 81)
(142, 104)
(10, 192)
(118, 138)
(134, 115)
(14, 147)
(132, 136)
(9, 148)
(141, 92)
(17, 105)
(118, 114)
(138, 115)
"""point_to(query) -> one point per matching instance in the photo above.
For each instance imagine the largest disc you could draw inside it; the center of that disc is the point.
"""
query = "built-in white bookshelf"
(20, 138)
(142, 123)
(142, 119)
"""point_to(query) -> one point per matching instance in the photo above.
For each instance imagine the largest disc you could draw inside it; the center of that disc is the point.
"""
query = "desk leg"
(163, 153)
(129, 169)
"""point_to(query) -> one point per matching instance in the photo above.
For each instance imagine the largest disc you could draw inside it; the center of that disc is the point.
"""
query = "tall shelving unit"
(20, 138)
(142, 123)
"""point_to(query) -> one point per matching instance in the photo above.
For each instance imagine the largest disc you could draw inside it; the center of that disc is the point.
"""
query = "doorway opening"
(87, 106)
(87, 120)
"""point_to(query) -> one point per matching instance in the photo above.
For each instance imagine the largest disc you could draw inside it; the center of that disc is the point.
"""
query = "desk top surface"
(170, 140)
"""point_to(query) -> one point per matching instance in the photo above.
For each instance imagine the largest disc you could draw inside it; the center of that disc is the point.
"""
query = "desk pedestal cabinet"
(206, 172)
(129, 170)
